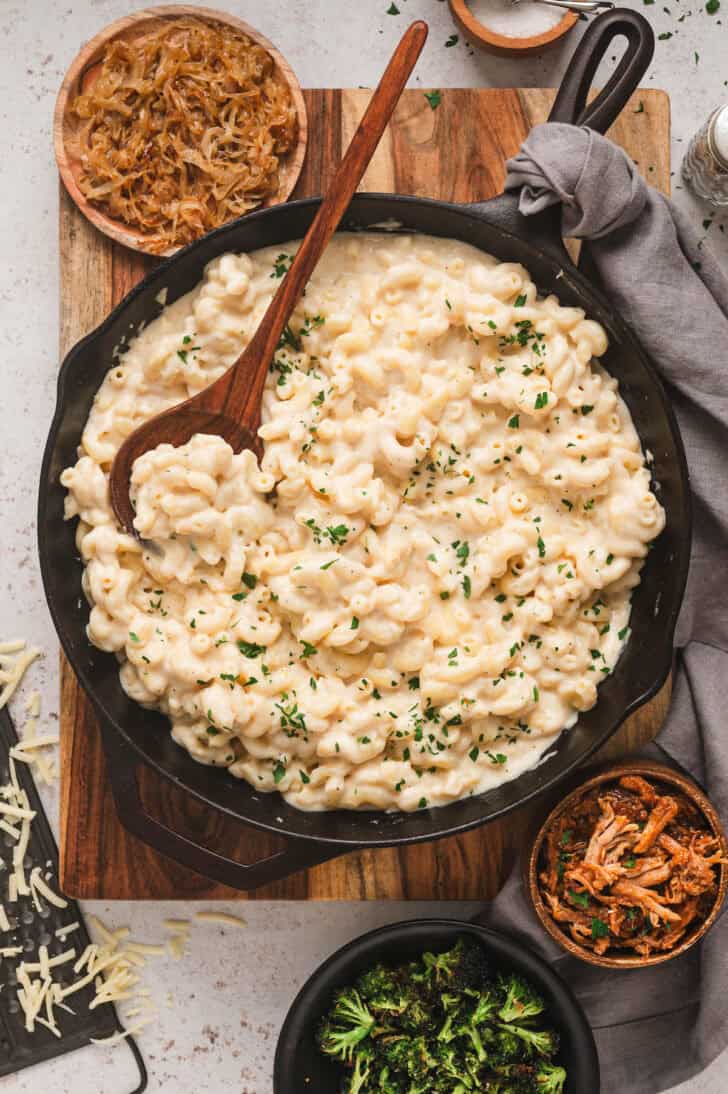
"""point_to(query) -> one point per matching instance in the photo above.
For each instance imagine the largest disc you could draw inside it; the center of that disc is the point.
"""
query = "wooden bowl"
(608, 775)
(85, 66)
(481, 35)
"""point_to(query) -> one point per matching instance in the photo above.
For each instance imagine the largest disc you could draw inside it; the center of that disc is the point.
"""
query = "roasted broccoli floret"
(543, 1041)
(382, 990)
(357, 1082)
(451, 1065)
(486, 1007)
(464, 966)
(389, 1083)
(550, 1078)
(410, 1055)
(349, 1022)
(507, 1048)
(521, 1000)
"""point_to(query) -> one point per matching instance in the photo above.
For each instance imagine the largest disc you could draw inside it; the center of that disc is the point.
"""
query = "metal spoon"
(579, 6)
(230, 407)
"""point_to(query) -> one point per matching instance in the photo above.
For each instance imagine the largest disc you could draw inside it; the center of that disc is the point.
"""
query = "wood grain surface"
(456, 152)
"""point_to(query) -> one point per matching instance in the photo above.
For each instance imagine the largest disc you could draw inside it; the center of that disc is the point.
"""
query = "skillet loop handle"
(570, 103)
(121, 765)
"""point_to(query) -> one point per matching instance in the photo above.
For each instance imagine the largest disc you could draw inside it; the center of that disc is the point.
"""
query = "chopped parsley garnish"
(354, 623)
(514, 422)
(462, 551)
(250, 580)
(308, 650)
(474, 753)
(250, 649)
(282, 265)
(328, 565)
(305, 779)
(599, 929)
(586, 409)
(497, 758)
(293, 721)
(467, 589)
(569, 504)
(541, 547)
(580, 899)
(279, 772)
(520, 301)
(541, 400)
(413, 683)
(134, 636)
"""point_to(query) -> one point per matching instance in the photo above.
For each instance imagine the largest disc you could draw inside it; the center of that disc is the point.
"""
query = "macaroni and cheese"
(429, 573)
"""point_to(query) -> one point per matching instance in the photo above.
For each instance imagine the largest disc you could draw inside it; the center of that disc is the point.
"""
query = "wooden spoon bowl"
(85, 69)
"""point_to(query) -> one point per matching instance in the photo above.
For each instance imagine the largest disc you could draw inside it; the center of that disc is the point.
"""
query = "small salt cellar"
(705, 167)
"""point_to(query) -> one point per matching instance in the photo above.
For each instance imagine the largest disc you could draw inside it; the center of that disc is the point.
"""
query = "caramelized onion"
(183, 130)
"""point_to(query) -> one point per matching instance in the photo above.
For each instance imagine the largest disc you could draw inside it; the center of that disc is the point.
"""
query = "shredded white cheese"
(221, 917)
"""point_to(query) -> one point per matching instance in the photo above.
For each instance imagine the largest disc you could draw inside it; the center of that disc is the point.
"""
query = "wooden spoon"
(230, 407)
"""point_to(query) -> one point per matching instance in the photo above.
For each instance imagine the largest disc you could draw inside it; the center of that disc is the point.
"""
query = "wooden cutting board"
(456, 152)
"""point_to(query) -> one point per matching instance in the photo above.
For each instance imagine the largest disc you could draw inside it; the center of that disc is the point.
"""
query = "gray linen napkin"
(654, 1027)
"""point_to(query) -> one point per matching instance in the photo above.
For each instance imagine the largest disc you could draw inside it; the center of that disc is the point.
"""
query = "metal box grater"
(30, 929)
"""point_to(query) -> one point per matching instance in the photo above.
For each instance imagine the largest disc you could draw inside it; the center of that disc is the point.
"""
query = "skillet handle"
(121, 765)
(570, 103)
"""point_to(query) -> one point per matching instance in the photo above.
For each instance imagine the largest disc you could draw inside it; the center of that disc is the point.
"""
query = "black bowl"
(300, 1066)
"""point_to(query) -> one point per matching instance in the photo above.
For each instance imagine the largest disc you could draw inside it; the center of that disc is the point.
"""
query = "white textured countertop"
(222, 1006)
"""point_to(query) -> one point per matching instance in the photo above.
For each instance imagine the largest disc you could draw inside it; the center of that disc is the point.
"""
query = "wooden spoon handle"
(239, 392)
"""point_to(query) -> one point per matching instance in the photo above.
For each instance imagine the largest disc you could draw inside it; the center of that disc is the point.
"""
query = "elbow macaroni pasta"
(429, 573)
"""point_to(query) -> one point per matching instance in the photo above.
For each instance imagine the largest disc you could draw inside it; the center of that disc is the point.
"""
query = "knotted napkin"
(654, 1027)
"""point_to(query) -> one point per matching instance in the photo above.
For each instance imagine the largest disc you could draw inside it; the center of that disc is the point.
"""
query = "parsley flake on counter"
(452, 41)
(434, 98)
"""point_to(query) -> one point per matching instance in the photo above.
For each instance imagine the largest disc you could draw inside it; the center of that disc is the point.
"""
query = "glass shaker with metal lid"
(705, 167)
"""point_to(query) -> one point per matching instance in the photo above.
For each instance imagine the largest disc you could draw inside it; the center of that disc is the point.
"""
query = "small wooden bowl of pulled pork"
(631, 868)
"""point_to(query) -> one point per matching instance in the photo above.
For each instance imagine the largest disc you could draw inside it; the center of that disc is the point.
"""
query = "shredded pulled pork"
(630, 867)
(183, 130)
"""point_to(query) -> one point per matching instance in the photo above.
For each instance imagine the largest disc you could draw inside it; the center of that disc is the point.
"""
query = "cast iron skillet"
(496, 227)
(298, 1058)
